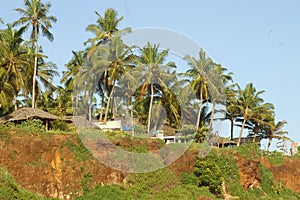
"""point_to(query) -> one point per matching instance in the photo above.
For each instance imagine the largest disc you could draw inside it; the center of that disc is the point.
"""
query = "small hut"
(28, 113)
(221, 142)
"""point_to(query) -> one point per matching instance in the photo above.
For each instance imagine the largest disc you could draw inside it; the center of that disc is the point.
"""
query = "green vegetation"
(223, 163)
(161, 184)
(78, 149)
(209, 175)
(35, 126)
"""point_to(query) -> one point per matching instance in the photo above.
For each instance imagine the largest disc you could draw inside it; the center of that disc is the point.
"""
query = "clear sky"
(257, 40)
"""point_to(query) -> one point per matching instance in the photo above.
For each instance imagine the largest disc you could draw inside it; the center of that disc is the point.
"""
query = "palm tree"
(73, 69)
(74, 66)
(275, 131)
(120, 60)
(35, 14)
(250, 106)
(14, 60)
(231, 112)
(152, 71)
(204, 79)
(261, 119)
(104, 29)
(218, 95)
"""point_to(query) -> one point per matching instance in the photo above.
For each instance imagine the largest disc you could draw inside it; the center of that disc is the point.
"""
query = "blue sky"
(256, 40)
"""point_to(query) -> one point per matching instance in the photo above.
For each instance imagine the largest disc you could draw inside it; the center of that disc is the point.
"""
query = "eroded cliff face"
(46, 165)
(288, 173)
(249, 171)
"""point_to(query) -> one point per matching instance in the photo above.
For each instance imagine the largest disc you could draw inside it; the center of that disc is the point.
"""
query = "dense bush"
(189, 179)
(59, 125)
(209, 175)
(106, 192)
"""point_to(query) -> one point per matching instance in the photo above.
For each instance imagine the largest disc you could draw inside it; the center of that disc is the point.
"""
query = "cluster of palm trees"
(129, 80)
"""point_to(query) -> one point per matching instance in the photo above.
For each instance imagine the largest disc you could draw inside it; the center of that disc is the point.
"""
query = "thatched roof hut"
(27, 113)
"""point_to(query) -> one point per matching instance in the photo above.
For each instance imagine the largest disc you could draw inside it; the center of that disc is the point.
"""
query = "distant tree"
(151, 70)
(104, 29)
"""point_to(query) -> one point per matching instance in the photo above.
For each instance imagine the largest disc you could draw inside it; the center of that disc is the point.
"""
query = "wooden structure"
(221, 142)
(28, 113)
(247, 140)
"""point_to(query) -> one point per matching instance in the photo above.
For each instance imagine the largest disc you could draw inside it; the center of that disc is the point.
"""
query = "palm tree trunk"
(132, 123)
(35, 67)
(101, 107)
(231, 128)
(90, 107)
(269, 144)
(212, 115)
(150, 108)
(200, 108)
(108, 102)
(15, 102)
(255, 133)
(241, 132)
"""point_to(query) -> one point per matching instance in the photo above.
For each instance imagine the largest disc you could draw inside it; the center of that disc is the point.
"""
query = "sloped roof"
(26, 113)
(220, 140)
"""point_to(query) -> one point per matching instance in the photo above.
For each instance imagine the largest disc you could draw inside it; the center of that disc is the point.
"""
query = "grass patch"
(78, 149)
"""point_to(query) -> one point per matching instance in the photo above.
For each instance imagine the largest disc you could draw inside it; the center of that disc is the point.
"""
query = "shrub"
(209, 175)
(189, 179)
(59, 125)
(32, 125)
(106, 192)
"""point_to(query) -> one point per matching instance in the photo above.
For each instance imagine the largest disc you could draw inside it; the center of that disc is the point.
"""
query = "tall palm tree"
(104, 29)
(250, 105)
(204, 79)
(120, 59)
(152, 71)
(35, 14)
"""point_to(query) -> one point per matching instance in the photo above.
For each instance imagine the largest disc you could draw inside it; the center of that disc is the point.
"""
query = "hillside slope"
(59, 166)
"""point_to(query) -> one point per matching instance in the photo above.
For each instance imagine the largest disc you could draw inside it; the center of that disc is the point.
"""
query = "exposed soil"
(249, 172)
(44, 164)
(288, 173)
